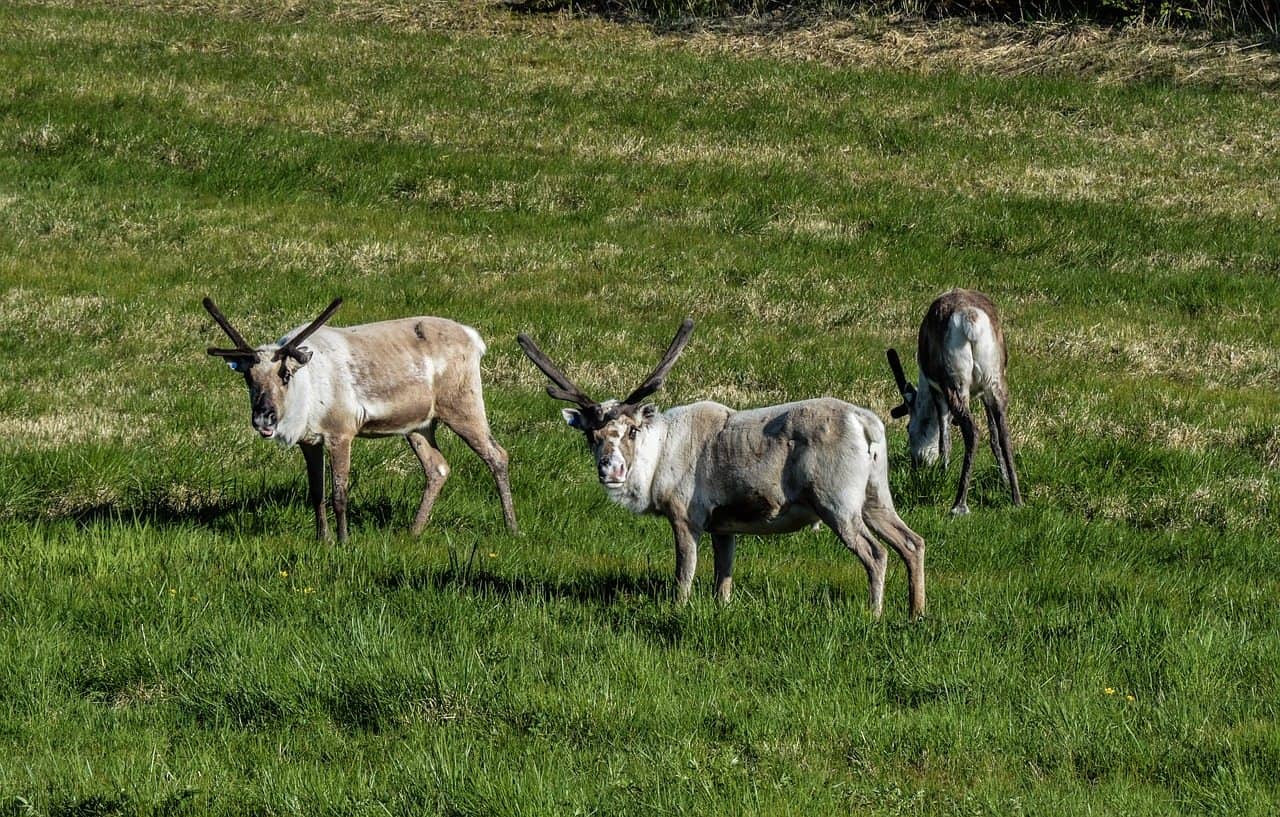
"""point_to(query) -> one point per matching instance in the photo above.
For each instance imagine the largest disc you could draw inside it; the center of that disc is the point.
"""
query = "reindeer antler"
(242, 346)
(291, 349)
(906, 389)
(656, 378)
(564, 388)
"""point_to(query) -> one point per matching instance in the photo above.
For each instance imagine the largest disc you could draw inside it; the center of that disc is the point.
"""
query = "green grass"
(173, 642)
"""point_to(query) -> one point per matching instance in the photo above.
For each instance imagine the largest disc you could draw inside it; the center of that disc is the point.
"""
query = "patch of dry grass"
(71, 426)
(1133, 53)
(1110, 56)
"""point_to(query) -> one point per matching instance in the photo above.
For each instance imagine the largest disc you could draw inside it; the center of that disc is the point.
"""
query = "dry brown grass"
(80, 424)
(1109, 55)
(1130, 54)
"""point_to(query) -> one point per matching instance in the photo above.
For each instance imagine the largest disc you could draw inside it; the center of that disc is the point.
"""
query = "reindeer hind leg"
(880, 515)
(434, 467)
(853, 534)
(958, 403)
(474, 431)
(997, 416)
(994, 440)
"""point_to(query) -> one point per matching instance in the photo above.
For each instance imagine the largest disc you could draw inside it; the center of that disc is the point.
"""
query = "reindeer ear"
(574, 418)
(299, 355)
(236, 363)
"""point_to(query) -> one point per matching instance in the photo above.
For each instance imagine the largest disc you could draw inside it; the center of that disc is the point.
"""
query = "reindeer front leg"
(314, 456)
(724, 546)
(686, 539)
(340, 462)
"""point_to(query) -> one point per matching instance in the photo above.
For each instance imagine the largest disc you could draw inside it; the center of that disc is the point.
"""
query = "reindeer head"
(923, 425)
(267, 369)
(612, 427)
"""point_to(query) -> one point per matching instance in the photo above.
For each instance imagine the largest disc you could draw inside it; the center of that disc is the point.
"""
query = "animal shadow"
(254, 510)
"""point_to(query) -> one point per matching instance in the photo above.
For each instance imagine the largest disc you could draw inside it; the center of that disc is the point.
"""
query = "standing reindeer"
(393, 378)
(961, 352)
(706, 467)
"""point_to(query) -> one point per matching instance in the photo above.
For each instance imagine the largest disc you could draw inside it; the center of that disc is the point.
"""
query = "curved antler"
(564, 388)
(906, 389)
(656, 378)
(291, 348)
(242, 346)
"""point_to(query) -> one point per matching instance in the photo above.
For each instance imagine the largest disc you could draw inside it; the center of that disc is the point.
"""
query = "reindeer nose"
(611, 470)
(265, 422)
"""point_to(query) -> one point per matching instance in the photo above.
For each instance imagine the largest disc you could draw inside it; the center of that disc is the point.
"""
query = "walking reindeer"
(396, 378)
(708, 468)
(961, 352)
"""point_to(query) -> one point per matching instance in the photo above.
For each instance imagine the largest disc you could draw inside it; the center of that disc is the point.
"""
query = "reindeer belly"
(759, 515)
(395, 419)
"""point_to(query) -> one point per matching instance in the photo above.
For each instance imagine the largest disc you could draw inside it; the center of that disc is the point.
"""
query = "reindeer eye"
(284, 376)
(632, 432)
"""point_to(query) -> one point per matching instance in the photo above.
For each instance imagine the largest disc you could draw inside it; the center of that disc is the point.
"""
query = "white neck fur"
(636, 494)
(294, 425)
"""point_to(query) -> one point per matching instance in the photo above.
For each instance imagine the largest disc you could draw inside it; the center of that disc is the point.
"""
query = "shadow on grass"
(639, 603)
(604, 588)
(245, 511)
(262, 509)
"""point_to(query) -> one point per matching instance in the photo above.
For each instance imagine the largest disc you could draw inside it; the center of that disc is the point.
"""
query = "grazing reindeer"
(961, 352)
(706, 467)
(392, 378)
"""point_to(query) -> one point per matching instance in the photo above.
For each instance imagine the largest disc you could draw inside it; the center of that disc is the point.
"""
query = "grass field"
(172, 641)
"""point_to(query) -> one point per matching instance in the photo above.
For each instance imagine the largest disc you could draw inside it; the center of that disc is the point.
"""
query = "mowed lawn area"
(173, 641)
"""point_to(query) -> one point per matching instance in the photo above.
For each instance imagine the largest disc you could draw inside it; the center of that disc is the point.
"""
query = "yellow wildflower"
(1111, 691)
(284, 574)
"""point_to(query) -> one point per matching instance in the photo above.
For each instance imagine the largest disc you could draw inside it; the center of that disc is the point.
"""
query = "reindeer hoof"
(960, 510)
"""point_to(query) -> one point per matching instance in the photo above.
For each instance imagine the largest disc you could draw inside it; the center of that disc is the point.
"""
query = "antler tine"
(656, 378)
(220, 319)
(297, 339)
(564, 388)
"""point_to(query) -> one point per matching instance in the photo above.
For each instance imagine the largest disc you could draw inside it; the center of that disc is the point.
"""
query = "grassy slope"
(592, 185)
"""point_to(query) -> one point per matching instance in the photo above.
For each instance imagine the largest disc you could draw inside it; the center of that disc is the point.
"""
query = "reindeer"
(397, 378)
(960, 352)
(708, 468)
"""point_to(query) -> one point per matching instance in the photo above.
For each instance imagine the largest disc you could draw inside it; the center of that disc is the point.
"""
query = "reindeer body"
(710, 469)
(356, 393)
(961, 355)
(391, 378)
(754, 471)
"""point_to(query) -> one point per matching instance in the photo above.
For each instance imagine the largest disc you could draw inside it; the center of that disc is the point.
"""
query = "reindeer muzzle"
(612, 470)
